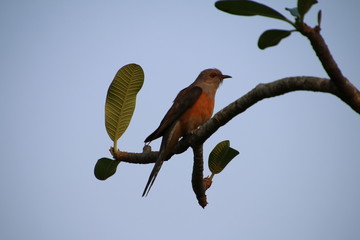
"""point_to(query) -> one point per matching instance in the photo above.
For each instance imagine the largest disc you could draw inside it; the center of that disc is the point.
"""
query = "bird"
(192, 107)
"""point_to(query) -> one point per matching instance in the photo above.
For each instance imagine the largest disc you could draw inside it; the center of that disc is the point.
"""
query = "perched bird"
(192, 107)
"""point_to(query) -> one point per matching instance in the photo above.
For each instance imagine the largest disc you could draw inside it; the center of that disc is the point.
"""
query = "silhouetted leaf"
(220, 156)
(105, 168)
(121, 100)
(248, 8)
(319, 18)
(272, 37)
(304, 6)
(293, 11)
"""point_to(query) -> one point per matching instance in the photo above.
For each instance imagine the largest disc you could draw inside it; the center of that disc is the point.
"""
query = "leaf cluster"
(270, 37)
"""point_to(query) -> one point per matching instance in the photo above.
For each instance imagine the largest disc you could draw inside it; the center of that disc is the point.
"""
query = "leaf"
(304, 6)
(105, 168)
(220, 156)
(293, 11)
(248, 8)
(319, 18)
(272, 37)
(121, 100)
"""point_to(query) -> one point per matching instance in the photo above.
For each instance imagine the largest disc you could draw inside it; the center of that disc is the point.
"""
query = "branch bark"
(197, 175)
(260, 92)
(346, 88)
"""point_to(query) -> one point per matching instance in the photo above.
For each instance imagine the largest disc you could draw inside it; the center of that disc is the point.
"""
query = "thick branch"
(347, 89)
(257, 94)
(197, 175)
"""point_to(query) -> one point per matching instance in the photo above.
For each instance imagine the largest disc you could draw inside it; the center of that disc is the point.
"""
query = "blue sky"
(297, 175)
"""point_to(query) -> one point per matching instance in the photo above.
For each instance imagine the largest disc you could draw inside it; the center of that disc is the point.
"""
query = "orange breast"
(198, 114)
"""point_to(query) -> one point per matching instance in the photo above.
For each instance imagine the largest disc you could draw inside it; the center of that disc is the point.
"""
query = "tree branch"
(347, 89)
(257, 94)
(197, 175)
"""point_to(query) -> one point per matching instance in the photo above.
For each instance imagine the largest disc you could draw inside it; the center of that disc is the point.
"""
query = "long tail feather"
(153, 176)
(168, 143)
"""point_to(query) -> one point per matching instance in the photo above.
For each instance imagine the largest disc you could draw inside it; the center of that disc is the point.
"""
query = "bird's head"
(212, 76)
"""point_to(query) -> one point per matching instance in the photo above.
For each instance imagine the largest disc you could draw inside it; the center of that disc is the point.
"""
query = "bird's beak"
(225, 76)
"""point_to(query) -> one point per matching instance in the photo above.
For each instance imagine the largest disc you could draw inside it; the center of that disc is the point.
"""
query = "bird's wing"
(183, 101)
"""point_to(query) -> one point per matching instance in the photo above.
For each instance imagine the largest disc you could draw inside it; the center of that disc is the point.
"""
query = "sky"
(297, 174)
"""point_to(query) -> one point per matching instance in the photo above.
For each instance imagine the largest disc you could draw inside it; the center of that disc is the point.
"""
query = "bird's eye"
(212, 75)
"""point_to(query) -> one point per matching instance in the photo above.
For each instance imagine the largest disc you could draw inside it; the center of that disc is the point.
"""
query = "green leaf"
(220, 156)
(304, 6)
(248, 8)
(293, 11)
(272, 37)
(121, 100)
(105, 168)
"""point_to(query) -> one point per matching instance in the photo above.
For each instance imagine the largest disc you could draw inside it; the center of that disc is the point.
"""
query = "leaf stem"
(115, 146)
(290, 22)
(211, 176)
